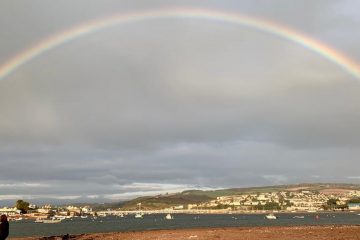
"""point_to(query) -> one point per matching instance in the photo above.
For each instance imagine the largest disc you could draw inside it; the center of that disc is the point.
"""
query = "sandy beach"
(253, 233)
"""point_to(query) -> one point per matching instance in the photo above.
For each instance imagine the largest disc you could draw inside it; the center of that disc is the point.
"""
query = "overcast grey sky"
(171, 104)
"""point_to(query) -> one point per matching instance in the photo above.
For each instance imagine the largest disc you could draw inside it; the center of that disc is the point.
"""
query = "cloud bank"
(161, 106)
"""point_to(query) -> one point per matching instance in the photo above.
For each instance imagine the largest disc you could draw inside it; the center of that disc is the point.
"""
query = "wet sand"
(240, 233)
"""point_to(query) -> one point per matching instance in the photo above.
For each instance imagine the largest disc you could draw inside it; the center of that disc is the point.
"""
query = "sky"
(168, 104)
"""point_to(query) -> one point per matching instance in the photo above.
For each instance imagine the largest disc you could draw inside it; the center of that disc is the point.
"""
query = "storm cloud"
(173, 104)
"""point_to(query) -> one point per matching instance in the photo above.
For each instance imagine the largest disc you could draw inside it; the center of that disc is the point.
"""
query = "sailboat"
(169, 217)
(139, 214)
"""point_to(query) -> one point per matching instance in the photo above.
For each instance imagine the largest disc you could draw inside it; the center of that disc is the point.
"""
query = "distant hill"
(164, 201)
(198, 196)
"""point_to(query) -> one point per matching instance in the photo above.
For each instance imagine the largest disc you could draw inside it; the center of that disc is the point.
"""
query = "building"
(9, 211)
(354, 206)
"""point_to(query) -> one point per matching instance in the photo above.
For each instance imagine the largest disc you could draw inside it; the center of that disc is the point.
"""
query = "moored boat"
(270, 216)
(138, 215)
(51, 221)
(39, 220)
(169, 217)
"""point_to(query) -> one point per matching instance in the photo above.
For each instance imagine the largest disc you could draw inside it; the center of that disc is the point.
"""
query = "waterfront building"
(354, 206)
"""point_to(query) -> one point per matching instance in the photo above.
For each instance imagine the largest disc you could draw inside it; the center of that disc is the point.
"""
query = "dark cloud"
(173, 104)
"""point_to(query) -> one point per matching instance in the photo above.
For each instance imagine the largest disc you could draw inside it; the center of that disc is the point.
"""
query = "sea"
(28, 228)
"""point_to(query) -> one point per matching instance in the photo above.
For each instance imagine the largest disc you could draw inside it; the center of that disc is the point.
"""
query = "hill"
(198, 196)
(165, 201)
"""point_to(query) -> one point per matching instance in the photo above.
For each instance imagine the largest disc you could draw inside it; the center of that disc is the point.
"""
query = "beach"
(337, 232)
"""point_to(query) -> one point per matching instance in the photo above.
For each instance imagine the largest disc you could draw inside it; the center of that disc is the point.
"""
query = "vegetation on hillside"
(164, 201)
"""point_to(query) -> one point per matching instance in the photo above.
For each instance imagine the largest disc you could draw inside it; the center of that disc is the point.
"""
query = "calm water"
(157, 221)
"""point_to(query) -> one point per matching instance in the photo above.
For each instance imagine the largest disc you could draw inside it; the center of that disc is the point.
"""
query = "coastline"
(349, 232)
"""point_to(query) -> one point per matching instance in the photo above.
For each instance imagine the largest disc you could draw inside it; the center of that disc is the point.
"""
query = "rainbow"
(60, 38)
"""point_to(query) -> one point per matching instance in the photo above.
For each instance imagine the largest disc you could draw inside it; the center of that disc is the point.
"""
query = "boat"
(138, 215)
(299, 217)
(51, 220)
(169, 217)
(270, 216)
(84, 216)
(39, 220)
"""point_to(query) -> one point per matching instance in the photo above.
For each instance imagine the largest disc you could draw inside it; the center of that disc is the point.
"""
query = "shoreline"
(263, 212)
(349, 232)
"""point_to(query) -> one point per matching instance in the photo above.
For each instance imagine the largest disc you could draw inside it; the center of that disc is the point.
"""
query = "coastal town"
(286, 201)
(268, 202)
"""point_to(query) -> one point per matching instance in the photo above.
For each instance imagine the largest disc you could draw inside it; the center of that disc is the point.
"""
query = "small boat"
(299, 217)
(270, 216)
(51, 220)
(84, 216)
(358, 214)
(169, 217)
(39, 220)
(138, 215)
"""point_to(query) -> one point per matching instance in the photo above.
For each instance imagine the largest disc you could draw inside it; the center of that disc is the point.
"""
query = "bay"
(27, 228)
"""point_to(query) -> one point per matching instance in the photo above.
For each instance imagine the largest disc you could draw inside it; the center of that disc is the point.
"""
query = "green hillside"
(164, 201)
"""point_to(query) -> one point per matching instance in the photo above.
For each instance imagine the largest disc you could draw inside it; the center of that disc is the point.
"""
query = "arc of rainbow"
(60, 38)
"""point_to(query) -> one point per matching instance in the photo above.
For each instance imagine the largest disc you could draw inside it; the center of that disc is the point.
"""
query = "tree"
(22, 206)
(354, 200)
(331, 203)
(268, 206)
(272, 206)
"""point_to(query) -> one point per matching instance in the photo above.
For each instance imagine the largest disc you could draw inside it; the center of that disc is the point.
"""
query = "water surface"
(157, 221)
